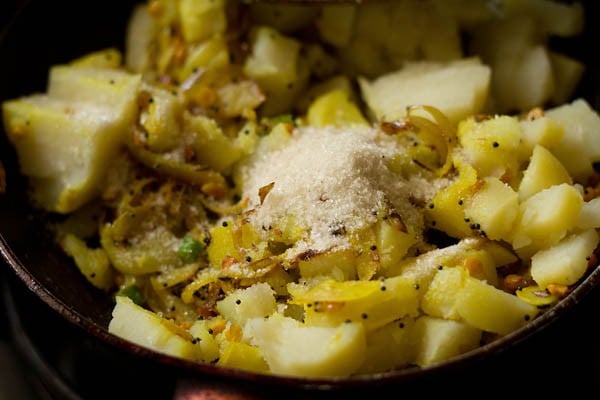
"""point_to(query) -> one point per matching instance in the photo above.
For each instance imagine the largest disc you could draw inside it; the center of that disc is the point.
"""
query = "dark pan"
(43, 33)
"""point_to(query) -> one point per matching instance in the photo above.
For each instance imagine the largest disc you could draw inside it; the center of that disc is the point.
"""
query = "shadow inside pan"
(47, 33)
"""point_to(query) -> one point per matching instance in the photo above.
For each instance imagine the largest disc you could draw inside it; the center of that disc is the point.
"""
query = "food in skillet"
(321, 191)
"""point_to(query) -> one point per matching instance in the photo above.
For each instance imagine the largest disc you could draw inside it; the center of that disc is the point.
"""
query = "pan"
(41, 33)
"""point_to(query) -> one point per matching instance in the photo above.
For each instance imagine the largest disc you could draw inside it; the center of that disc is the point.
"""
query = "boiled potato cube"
(491, 146)
(161, 119)
(589, 216)
(275, 64)
(209, 345)
(539, 131)
(440, 298)
(254, 301)
(442, 339)
(374, 303)
(544, 170)
(545, 218)
(457, 88)
(200, 19)
(580, 145)
(110, 88)
(481, 265)
(446, 209)
(494, 206)
(334, 108)
(393, 242)
(242, 356)
(65, 147)
(490, 309)
(292, 348)
(391, 346)
(145, 328)
(567, 261)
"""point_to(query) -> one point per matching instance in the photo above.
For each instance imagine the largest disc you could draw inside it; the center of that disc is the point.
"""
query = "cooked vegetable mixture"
(324, 190)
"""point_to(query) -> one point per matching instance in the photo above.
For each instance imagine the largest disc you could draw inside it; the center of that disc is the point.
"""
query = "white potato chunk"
(490, 309)
(442, 339)
(254, 301)
(580, 145)
(544, 170)
(145, 328)
(458, 89)
(291, 348)
(566, 262)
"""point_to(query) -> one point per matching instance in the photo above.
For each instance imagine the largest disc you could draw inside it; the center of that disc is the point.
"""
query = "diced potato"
(391, 346)
(491, 146)
(200, 19)
(500, 252)
(494, 206)
(374, 303)
(589, 216)
(440, 298)
(109, 88)
(500, 313)
(544, 170)
(334, 108)
(161, 119)
(441, 339)
(242, 356)
(566, 262)
(65, 147)
(545, 218)
(447, 211)
(392, 242)
(457, 88)
(209, 346)
(93, 263)
(145, 328)
(338, 82)
(275, 64)
(292, 348)
(255, 301)
(539, 131)
(580, 145)
(481, 265)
